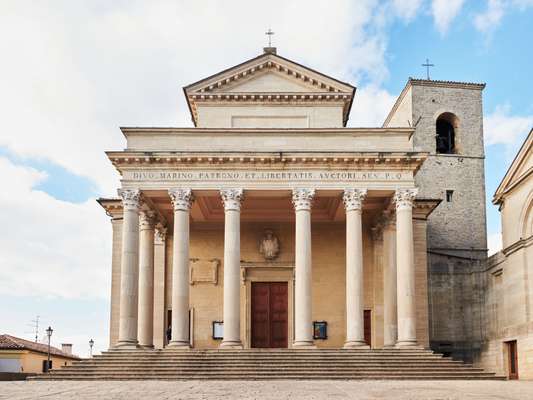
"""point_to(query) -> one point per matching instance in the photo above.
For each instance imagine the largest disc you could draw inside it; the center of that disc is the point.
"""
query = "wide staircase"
(255, 364)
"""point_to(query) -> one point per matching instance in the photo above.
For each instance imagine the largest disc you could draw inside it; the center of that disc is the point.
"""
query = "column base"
(389, 346)
(410, 344)
(179, 345)
(231, 345)
(303, 345)
(146, 346)
(127, 344)
(356, 344)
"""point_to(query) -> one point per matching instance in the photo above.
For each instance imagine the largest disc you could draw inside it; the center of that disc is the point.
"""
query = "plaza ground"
(278, 390)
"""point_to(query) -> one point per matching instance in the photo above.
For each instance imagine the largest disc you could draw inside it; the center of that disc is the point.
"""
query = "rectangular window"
(449, 195)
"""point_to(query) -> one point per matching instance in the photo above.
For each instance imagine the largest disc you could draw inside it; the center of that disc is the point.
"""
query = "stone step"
(268, 364)
(296, 375)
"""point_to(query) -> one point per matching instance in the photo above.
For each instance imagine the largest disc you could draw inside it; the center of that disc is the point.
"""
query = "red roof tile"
(8, 342)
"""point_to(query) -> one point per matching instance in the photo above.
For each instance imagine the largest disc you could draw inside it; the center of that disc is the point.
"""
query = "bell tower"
(448, 122)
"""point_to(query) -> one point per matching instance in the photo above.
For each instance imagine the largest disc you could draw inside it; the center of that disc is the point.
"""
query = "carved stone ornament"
(302, 199)
(232, 199)
(160, 234)
(130, 198)
(147, 219)
(181, 199)
(404, 198)
(353, 199)
(269, 245)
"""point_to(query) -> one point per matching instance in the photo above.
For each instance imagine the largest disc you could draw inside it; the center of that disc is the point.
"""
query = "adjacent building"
(20, 355)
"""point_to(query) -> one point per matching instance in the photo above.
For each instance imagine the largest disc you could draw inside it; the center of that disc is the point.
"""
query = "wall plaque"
(203, 271)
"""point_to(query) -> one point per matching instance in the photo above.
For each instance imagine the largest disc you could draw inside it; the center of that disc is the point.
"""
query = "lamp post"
(91, 344)
(49, 334)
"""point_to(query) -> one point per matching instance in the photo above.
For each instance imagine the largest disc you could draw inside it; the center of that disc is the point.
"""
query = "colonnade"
(136, 285)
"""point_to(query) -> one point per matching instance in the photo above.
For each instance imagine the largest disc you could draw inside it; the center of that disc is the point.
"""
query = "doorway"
(269, 314)
(368, 327)
(512, 356)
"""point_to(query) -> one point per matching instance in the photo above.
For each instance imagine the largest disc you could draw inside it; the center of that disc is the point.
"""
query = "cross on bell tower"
(427, 65)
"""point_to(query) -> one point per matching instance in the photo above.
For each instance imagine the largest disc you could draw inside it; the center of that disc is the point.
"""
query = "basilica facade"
(271, 224)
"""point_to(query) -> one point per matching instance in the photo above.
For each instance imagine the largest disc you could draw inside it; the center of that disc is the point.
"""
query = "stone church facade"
(272, 224)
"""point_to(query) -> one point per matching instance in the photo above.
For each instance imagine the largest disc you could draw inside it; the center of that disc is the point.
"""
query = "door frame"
(266, 272)
(508, 345)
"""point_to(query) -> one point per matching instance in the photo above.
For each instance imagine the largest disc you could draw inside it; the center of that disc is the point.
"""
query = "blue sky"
(77, 71)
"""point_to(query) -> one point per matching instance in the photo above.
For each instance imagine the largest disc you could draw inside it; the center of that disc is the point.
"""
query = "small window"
(449, 196)
(446, 126)
(320, 330)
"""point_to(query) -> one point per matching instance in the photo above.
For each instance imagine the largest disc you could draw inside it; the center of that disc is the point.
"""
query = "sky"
(73, 71)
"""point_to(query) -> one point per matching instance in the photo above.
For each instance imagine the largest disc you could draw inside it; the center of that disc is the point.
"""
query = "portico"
(266, 227)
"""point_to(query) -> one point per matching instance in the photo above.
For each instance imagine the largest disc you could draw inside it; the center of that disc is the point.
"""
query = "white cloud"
(501, 127)
(50, 247)
(407, 9)
(490, 18)
(371, 106)
(494, 243)
(444, 12)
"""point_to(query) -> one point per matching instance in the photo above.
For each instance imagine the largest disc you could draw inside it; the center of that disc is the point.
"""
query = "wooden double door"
(269, 318)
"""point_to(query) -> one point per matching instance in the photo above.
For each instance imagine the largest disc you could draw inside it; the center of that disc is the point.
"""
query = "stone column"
(232, 199)
(181, 201)
(390, 324)
(129, 270)
(160, 323)
(146, 278)
(355, 329)
(404, 199)
(303, 330)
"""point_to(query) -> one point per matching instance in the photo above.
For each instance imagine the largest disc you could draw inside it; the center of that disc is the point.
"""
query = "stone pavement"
(278, 390)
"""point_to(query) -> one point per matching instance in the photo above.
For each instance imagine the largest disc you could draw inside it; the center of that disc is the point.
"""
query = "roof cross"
(269, 33)
(427, 65)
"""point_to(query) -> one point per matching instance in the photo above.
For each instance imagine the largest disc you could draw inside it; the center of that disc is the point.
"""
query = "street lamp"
(49, 334)
(91, 344)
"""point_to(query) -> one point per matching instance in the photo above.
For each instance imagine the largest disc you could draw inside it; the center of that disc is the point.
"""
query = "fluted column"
(390, 311)
(146, 278)
(181, 201)
(129, 270)
(232, 199)
(355, 329)
(303, 331)
(404, 199)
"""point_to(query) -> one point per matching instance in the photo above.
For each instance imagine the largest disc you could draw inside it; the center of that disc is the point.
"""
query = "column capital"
(160, 233)
(130, 198)
(147, 219)
(181, 198)
(353, 199)
(404, 198)
(232, 199)
(302, 198)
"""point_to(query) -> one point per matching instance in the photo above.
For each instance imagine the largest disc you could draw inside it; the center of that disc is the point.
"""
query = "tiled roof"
(444, 83)
(8, 342)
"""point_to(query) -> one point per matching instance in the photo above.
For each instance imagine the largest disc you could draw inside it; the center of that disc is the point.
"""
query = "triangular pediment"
(267, 78)
(521, 167)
